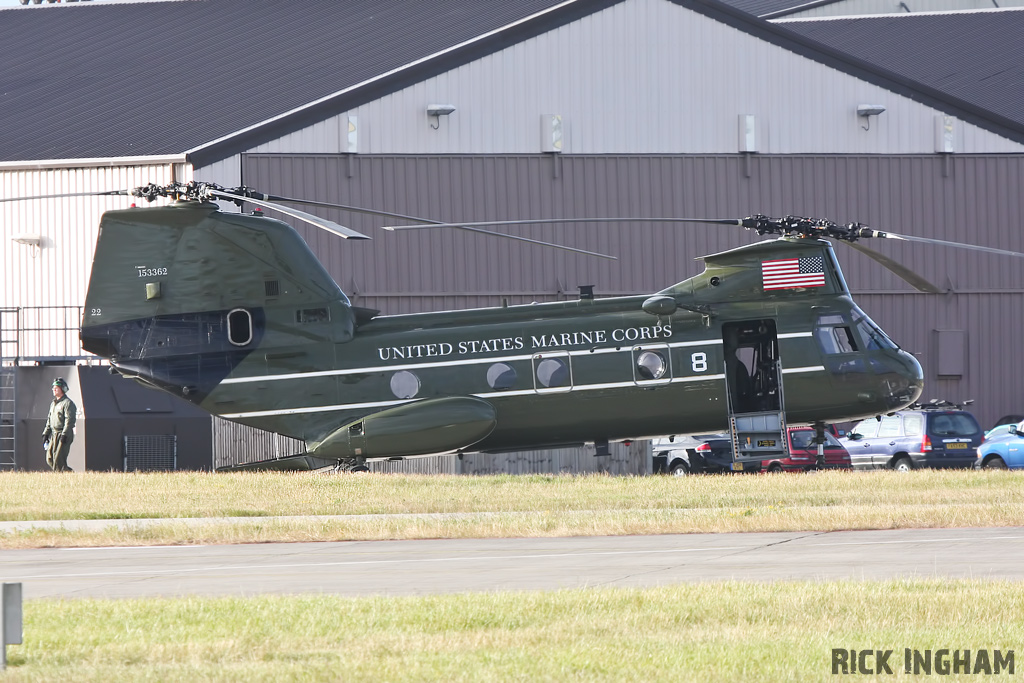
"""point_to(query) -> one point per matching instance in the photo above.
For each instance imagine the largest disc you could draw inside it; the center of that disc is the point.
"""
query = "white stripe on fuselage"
(493, 394)
(455, 363)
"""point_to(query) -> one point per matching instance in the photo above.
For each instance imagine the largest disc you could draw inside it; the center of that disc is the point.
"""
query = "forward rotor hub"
(798, 226)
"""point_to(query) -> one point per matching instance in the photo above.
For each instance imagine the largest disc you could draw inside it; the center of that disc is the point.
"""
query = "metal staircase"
(759, 435)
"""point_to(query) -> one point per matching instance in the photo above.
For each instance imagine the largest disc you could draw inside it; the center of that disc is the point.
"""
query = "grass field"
(422, 506)
(695, 632)
(747, 632)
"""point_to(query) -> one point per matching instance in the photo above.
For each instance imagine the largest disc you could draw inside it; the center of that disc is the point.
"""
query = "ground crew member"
(60, 427)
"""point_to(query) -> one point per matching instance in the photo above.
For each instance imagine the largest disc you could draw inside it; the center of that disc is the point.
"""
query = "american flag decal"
(789, 273)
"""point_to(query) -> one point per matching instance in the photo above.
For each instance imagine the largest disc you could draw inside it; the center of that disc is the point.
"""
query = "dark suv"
(938, 434)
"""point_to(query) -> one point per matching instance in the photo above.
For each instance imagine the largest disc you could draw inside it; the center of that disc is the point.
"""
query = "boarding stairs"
(759, 435)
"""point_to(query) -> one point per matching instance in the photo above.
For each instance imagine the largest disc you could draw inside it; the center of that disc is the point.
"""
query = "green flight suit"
(60, 431)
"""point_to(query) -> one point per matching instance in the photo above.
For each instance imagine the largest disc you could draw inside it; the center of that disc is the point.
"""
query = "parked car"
(711, 453)
(803, 453)
(1005, 451)
(999, 432)
(936, 435)
(678, 455)
(1008, 420)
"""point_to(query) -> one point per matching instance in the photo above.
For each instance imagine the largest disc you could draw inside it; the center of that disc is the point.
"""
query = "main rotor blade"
(543, 244)
(353, 209)
(902, 271)
(542, 221)
(330, 226)
(944, 243)
(427, 223)
(66, 194)
(475, 226)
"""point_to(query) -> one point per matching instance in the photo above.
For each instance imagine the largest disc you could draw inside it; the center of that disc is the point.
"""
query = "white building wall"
(226, 173)
(642, 77)
(54, 272)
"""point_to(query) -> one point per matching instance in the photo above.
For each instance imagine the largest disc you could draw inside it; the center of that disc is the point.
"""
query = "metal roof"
(215, 77)
(972, 56)
(97, 80)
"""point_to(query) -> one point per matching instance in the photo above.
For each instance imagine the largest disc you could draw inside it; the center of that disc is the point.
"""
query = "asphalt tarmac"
(392, 568)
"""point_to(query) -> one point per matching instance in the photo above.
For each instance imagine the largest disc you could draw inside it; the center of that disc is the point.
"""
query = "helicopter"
(234, 313)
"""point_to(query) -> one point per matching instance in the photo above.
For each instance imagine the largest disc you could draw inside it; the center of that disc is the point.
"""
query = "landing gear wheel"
(351, 465)
(903, 465)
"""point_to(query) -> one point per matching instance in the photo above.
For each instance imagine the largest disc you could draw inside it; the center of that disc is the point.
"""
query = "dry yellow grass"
(387, 506)
(752, 632)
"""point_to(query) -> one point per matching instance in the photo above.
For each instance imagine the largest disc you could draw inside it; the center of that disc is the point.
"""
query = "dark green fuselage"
(235, 314)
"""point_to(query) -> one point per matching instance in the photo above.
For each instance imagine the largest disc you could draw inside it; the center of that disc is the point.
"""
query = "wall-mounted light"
(869, 110)
(945, 141)
(747, 140)
(551, 133)
(351, 135)
(437, 111)
(747, 133)
(34, 241)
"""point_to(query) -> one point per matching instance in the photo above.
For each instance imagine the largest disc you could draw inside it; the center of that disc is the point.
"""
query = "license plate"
(956, 445)
(737, 467)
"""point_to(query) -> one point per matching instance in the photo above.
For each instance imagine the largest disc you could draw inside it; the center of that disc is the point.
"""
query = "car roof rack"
(941, 404)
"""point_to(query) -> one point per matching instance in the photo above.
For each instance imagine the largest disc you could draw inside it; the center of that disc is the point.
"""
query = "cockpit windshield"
(872, 333)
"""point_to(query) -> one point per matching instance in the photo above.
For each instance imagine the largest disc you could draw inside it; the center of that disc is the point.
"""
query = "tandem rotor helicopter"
(235, 314)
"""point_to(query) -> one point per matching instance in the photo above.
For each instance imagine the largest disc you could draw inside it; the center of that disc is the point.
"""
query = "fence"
(41, 334)
(235, 444)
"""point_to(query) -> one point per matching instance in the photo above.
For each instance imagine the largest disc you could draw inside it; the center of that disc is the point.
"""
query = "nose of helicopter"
(906, 387)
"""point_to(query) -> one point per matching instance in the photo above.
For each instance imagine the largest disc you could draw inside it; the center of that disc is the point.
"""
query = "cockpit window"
(871, 333)
(874, 337)
(835, 335)
(312, 315)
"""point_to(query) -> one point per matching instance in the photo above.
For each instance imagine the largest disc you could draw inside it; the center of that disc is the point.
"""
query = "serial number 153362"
(151, 272)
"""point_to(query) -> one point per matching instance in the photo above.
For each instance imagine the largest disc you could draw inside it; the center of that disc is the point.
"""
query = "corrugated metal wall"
(235, 444)
(641, 77)
(633, 459)
(967, 198)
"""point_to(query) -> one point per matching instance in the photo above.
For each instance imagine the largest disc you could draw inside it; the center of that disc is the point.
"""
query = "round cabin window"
(553, 372)
(651, 365)
(239, 327)
(501, 376)
(405, 384)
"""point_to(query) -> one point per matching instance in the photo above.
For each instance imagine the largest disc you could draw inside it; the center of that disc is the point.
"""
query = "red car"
(803, 453)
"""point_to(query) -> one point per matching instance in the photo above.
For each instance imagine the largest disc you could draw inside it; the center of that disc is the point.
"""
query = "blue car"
(1003, 451)
(1000, 432)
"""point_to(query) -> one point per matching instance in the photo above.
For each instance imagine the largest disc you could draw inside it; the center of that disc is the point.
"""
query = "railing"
(41, 334)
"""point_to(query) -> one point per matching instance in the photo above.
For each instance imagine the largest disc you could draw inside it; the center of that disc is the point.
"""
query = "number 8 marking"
(699, 362)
